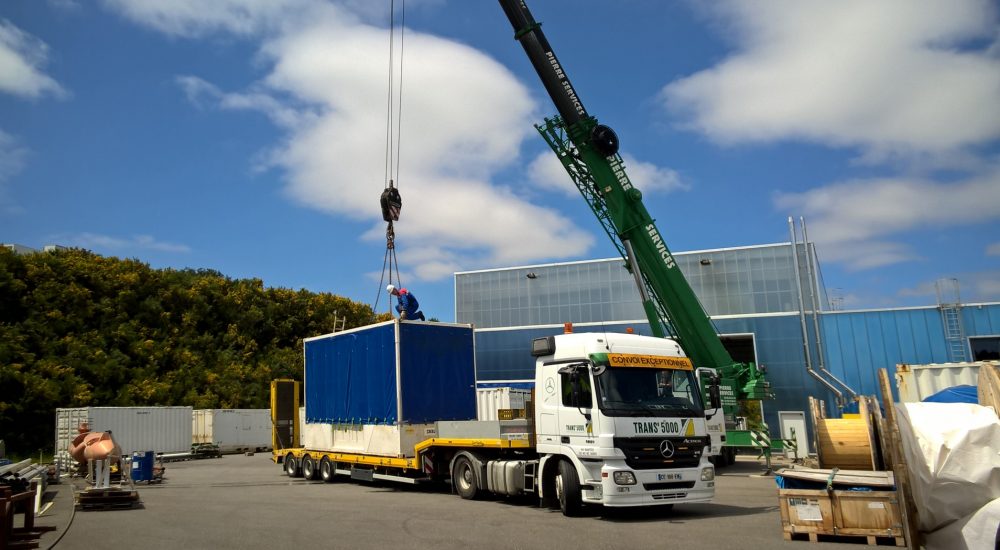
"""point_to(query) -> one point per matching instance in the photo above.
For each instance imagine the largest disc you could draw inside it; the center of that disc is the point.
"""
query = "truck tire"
(308, 467)
(464, 478)
(326, 469)
(568, 490)
(292, 466)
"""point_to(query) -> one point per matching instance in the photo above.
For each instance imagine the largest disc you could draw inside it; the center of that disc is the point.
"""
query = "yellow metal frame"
(295, 418)
(405, 463)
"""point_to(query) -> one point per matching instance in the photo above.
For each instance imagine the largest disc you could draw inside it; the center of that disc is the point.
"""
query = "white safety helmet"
(390, 289)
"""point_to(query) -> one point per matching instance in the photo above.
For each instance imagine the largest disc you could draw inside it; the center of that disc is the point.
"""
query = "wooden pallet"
(871, 540)
(106, 499)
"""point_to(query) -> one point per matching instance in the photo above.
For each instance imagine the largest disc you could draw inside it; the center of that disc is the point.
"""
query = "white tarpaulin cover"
(953, 455)
(975, 532)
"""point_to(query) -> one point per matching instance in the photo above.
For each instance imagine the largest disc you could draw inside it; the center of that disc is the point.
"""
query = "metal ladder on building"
(950, 305)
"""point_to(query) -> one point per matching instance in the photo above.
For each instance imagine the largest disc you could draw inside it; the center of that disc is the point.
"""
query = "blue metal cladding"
(859, 343)
(982, 320)
(351, 377)
(437, 372)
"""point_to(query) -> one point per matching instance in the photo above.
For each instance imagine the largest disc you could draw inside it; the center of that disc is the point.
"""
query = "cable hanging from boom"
(390, 201)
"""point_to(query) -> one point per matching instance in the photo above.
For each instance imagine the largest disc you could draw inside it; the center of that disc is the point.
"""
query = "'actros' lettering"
(567, 87)
(668, 259)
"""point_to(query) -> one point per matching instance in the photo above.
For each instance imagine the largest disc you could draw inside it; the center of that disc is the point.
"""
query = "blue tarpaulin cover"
(350, 377)
(955, 394)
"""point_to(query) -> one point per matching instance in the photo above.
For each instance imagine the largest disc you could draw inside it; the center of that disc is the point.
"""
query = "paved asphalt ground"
(246, 502)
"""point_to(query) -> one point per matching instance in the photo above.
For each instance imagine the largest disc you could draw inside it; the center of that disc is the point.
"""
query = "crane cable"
(390, 200)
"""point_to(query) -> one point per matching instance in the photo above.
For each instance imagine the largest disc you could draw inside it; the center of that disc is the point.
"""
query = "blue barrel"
(142, 465)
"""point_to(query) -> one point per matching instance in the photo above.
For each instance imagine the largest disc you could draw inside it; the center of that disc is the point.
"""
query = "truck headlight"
(708, 474)
(624, 478)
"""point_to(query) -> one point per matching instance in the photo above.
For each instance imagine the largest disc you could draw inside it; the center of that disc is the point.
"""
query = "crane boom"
(589, 152)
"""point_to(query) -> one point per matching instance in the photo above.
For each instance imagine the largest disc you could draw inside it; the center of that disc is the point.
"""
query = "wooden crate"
(869, 514)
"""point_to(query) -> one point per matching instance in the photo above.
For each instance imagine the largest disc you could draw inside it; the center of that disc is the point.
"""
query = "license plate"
(667, 477)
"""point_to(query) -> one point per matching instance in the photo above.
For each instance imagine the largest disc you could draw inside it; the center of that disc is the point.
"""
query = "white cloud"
(894, 76)
(22, 57)
(66, 5)
(12, 156)
(547, 172)
(190, 18)
(993, 249)
(106, 243)
(12, 159)
(974, 286)
(327, 88)
(201, 92)
(851, 220)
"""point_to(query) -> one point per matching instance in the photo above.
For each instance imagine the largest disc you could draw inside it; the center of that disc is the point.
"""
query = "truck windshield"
(624, 391)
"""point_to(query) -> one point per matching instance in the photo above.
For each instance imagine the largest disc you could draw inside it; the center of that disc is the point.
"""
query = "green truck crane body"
(589, 152)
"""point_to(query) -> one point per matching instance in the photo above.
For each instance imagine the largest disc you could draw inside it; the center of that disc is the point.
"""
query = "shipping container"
(157, 429)
(379, 389)
(491, 400)
(233, 430)
(918, 382)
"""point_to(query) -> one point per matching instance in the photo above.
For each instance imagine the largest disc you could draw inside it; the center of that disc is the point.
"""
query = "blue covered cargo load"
(397, 372)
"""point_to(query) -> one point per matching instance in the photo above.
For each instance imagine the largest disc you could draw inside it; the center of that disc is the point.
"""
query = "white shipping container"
(233, 430)
(158, 429)
(490, 400)
(918, 382)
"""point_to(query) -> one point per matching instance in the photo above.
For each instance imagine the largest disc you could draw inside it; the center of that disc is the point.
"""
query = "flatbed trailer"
(615, 420)
(430, 464)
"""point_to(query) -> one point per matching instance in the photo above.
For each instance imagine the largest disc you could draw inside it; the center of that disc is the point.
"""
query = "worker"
(408, 307)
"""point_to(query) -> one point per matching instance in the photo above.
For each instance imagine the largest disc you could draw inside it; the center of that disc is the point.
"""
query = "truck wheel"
(326, 469)
(568, 490)
(291, 466)
(308, 467)
(464, 478)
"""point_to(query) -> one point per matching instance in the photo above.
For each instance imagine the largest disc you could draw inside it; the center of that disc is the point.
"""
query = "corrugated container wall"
(491, 400)
(918, 382)
(391, 373)
(233, 430)
(158, 429)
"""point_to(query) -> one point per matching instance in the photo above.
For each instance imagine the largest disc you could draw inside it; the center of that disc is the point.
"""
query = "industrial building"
(769, 304)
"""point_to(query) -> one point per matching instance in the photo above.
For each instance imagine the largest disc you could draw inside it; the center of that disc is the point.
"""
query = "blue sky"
(248, 136)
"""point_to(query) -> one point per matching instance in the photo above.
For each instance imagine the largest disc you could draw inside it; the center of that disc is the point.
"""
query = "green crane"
(589, 152)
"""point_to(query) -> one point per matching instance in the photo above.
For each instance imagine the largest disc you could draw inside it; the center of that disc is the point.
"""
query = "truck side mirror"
(714, 395)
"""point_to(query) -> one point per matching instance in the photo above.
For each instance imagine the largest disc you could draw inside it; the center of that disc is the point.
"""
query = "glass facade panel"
(739, 281)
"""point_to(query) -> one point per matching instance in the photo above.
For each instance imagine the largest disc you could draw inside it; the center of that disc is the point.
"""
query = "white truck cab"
(619, 421)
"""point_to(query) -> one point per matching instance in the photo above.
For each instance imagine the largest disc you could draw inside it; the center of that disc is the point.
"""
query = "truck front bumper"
(652, 487)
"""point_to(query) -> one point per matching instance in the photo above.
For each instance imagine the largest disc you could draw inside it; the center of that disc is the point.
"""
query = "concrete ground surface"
(246, 502)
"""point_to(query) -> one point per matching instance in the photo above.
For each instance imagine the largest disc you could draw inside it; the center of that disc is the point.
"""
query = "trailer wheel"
(568, 490)
(308, 467)
(464, 478)
(326, 469)
(291, 466)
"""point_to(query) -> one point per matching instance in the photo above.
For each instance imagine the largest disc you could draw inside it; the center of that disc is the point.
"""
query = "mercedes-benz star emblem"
(666, 448)
(550, 385)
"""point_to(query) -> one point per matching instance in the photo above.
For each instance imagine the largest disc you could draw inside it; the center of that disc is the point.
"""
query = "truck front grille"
(668, 485)
(644, 453)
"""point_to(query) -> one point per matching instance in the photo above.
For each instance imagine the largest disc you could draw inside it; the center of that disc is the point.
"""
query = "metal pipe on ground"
(16, 467)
